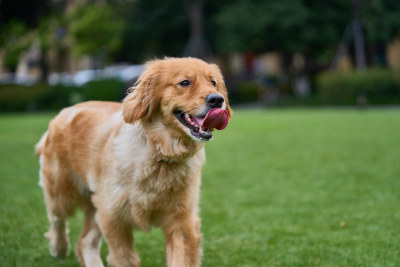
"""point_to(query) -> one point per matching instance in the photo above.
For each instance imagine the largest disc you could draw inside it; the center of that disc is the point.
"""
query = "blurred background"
(55, 53)
(281, 187)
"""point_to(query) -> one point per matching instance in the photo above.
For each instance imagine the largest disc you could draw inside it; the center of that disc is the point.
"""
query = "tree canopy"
(96, 29)
(142, 29)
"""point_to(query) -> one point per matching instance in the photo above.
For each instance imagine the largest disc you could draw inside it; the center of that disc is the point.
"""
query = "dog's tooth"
(204, 131)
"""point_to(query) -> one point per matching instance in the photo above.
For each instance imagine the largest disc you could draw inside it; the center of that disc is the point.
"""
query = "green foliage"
(378, 85)
(312, 27)
(44, 31)
(142, 29)
(17, 97)
(155, 28)
(37, 97)
(106, 90)
(45, 97)
(381, 20)
(50, 31)
(309, 27)
(280, 188)
(248, 92)
(14, 41)
(96, 30)
(251, 25)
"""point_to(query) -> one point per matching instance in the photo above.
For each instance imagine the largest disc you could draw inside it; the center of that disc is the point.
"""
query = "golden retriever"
(134, 165)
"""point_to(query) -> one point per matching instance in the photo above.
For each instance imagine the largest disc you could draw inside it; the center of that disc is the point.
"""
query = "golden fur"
(130, 166)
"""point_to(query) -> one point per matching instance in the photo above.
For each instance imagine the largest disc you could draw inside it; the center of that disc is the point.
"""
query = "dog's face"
(186, 94)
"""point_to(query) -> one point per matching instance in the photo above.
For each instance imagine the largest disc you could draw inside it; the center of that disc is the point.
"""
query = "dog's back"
(83, 116)
(70, 145)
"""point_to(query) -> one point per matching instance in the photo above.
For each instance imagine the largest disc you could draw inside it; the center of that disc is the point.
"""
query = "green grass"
(280, 188)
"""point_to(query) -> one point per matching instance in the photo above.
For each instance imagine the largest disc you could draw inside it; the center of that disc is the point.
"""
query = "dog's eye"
(213, 83)
(184, 83)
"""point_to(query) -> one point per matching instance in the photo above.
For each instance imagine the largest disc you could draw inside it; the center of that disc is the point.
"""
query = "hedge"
(45, 97)
(377, 86)
(106, 90)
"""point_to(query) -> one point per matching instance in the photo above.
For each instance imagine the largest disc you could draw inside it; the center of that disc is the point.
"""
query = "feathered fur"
(130, 166)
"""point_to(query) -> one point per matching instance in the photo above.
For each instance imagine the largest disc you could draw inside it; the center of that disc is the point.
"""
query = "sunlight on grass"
(280, 188)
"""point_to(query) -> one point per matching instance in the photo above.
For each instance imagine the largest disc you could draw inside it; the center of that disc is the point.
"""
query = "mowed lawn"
(280, 188)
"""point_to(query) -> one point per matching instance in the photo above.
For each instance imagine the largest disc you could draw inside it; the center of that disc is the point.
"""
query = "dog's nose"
(214, 100)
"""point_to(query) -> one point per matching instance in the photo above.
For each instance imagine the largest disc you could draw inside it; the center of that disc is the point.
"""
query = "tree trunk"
(197, 45)
(358, 37)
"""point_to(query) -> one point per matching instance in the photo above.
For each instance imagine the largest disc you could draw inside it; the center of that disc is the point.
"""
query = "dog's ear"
(222, 87)
(144, 97)
(228, 108)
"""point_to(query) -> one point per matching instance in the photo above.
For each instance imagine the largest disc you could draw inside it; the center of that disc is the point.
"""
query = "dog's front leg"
(120, 241)
(183, 242)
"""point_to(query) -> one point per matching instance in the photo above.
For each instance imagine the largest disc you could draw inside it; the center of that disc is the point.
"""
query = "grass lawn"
(280, 188)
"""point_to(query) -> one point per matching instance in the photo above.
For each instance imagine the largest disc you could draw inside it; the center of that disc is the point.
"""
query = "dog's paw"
(131, 260)
(59, 246)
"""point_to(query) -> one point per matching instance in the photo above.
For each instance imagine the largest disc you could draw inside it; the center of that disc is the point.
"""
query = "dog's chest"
(155, 183)
(152, 189)
(146, 187)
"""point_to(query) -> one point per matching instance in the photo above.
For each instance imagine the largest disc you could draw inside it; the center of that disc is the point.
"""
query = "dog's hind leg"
(61, 199)
(58, 230)
(88, 246)
(58, 236)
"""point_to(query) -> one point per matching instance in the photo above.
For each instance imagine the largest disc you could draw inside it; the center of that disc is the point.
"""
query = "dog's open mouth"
(201, 127)
(194, 125)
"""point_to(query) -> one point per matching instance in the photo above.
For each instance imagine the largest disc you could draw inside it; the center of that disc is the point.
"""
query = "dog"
(134, 165)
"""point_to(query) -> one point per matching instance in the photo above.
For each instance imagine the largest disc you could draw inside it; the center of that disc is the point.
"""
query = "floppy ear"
(144, 97)
(222, 87)
(228, 108)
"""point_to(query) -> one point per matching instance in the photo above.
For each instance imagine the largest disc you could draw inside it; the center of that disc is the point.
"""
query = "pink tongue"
(216, 118)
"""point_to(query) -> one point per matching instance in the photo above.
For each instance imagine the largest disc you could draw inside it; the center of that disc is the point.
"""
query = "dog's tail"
(40, 145)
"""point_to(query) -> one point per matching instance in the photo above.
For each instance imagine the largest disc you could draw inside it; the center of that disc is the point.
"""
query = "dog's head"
(188, 95)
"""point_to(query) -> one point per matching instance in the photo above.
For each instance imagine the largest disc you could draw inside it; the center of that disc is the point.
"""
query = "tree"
(155, 28)
(96, 30)
(292, 26)
(197, 45)
(381, 19)
(15, 40)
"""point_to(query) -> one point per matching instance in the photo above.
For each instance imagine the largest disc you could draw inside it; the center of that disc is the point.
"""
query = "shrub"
(21, 98)
(37, 97)
(55, 97)
(377, 85)
(15, 97)
(248, 91)
(106, 90)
